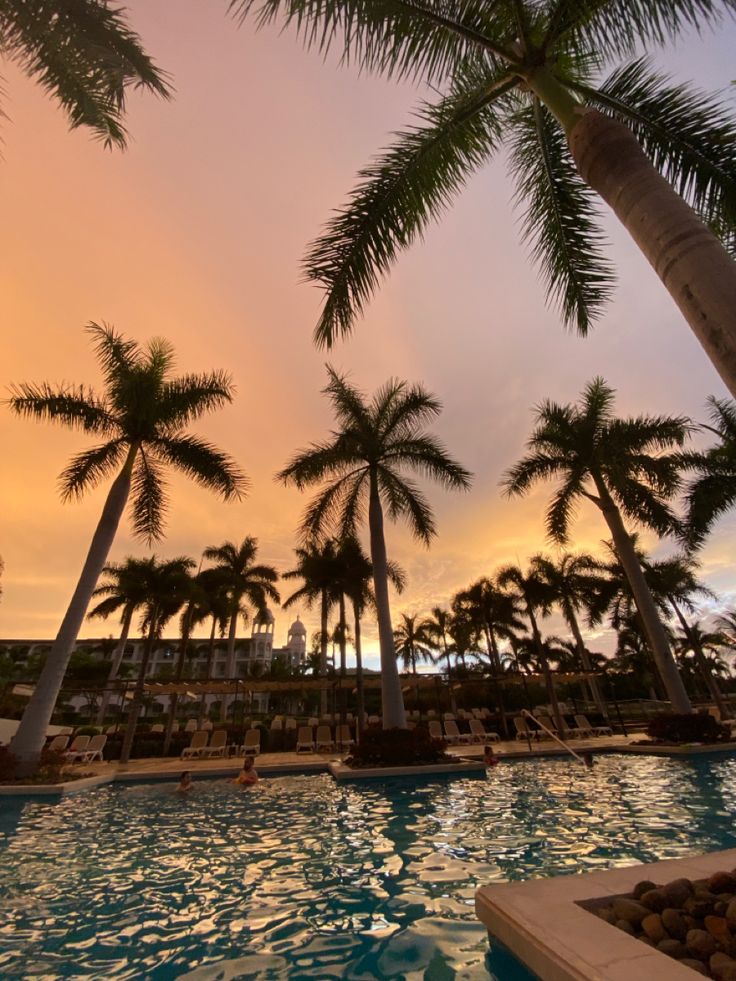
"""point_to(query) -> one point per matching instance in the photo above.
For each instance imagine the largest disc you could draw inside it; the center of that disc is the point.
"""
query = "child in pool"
(247, 775)
(489, 757)
(185, 783)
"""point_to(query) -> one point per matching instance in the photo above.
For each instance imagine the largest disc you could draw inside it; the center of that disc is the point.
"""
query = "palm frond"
(558, 219)
(404, 500)
(148, 503)
(535, 466)
(348, 402)
(87, 469)
(204, 463)
(320, 461)
(115, 355)
(413, 182)
(326, 512)
(426, 454)
(562, 509)
(412, 407)
(186, 398)
(74, 406)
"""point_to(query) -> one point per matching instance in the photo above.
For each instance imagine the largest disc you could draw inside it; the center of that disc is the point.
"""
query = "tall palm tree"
(124, 593)
(536, 597)
(623, 467)
(213, 603)
(412, 642)
(248, 585)
(438, 629)
(141, 418)
(712, 491)
(85, 55)
(706, 648)
(318, 567)
(577, 583)
(557, 82)
(167, 585)
(364, 469)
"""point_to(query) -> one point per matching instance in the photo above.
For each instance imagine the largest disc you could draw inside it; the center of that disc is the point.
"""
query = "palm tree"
(213, 603)
(577, 583)
(85, 56)
(318, 567)
(705, 647)
(536, 597)
(245, 581)
(622, 466)
(167, 585)
(364, 466)
(438, 629)
(412, 642)
(530, 74)
(141, 417)
(713, 491)
(124, 593)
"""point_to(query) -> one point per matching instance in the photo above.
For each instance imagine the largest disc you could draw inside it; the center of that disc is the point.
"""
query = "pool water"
(301, 878)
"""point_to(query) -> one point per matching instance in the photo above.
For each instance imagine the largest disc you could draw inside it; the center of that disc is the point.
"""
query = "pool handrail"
(571, 751)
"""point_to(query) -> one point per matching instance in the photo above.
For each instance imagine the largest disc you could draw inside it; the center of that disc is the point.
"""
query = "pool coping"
(541, 923)
(341, 772)
(63, 789)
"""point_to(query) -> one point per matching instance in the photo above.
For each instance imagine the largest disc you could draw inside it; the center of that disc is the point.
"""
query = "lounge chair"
(305, 740)
(583, 723)
(435, 730)
(546, 721)
(93, 750)
(191, 725)
(111, 730)
(276, 725)
(58, 744)
(78, 746)
(218, 744)
(207, 726)
(448, 716)
(197, 744)
(157, 728)
(324, 742)
(522, 729)
(484, 713)
(343, 737)
(453, 734)
(290, 724)
(252, 744)
(479, 735)
(312, 722)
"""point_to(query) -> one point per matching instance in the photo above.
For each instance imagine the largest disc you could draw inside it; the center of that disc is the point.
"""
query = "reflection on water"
(300, 878)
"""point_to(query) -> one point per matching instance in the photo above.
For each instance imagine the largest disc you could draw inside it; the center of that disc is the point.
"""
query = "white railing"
(527, 714)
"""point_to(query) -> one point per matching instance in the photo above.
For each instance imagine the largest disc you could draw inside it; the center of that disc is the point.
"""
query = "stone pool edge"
(540, 922)
(341, 772)
(55, 789)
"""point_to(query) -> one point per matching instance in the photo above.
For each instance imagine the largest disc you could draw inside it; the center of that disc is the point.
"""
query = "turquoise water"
(301, 878)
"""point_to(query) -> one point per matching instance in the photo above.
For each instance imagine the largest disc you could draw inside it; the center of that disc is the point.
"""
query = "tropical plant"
(577, 583)
(85, 55)
(212, 602)
(536, 597)
(124, 593)
(412, 642)
(712, 492)
(141, 417)
(317, 567)
(248, 585)
(531, 75)
(167, 586)
(364, 469)
(623, 467)
(438, 630)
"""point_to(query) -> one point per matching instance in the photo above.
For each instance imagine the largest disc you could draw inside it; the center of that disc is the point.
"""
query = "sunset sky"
(196, 233)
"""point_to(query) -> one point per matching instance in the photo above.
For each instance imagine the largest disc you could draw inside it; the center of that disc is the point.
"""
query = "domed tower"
(296, 643)
(261, 645)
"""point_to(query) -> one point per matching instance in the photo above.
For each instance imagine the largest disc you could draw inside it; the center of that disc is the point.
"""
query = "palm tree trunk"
(29, 738)
(706, 674)
(174, 697)
(548, 679)
(343, 658)
(230, 662)
(117, 659)
(694, 267)
(360, 695)
(645, 605)
(392, 699)
(137, 701)
(496, 661)
(323, 639)
(210, 656)
(592, 683)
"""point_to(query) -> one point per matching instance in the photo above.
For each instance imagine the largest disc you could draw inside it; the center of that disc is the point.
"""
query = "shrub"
(86, 731)
(7, 764)
(397, 747)
(670, 727)
(50, 766)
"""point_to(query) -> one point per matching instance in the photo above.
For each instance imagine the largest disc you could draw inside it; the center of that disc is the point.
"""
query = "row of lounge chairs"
(202, 747)
(581, 730)
(84, 749)
(452, 735)
(323, 742)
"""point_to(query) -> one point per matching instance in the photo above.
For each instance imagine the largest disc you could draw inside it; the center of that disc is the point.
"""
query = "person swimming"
(247, 775)
(489, 757)
(185, 783)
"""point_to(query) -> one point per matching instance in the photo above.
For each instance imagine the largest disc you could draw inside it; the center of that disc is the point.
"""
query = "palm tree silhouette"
(438, 629)
(141, 417)
(317, 567)
(85, 56)
(621, 466)
(364, 466)
(713, 491)
(412, 642)
(530, 76)
(245, 580)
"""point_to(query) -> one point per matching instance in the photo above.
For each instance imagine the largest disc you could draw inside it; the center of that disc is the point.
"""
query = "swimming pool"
(302, 878)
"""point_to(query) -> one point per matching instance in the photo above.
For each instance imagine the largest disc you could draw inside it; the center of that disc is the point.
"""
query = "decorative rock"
(646, 940)
(641, 887)
(695, 965)
(674, 923)
(673, 948)
(655, 900)
(719, 909)
(630, 910)
(731, 912)
(678, 892)
(722, 967)
(652, 926)
(722, 882)
(717, 927)
(607, 914)
(700, 943)
(699, 908)
(628, 928)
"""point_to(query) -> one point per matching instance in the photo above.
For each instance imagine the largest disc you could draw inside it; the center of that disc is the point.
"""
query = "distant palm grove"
(568, 91)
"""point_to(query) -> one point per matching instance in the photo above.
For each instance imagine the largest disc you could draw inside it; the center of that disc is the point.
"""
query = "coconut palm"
(536, 597)
(85, 55)
(167, 586)
(412, 640)
(317, 567)
(557, 83)
(124, 593)
(623, 467)
(363, 467)
(712, 492)
(248, 584)
(700, 652)
(578, 583)
(438, 629)
(213, 603)
(141, 419)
